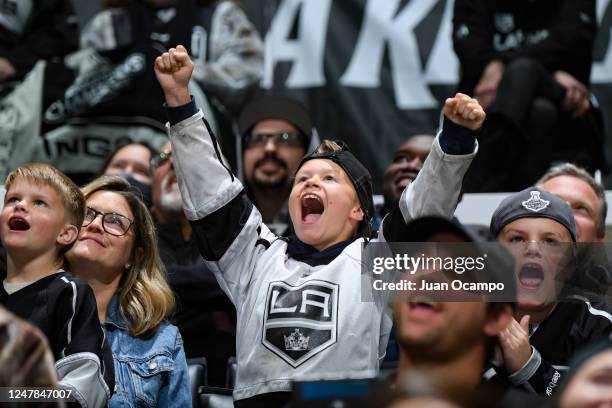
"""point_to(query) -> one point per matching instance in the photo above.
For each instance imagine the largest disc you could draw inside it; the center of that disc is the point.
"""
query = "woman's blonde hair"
(145, 298)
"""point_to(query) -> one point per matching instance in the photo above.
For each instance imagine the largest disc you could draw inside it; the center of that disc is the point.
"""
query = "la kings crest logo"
(300, 321)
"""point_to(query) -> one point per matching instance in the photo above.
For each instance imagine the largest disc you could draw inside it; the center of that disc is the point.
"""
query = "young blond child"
(43, 211)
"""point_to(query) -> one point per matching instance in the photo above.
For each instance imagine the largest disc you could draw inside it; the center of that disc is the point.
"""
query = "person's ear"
(498, 320)
(356, 213)
(67, 235)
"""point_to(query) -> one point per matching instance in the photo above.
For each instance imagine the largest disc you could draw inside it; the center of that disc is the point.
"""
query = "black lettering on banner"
(96, 146)
(68, 147)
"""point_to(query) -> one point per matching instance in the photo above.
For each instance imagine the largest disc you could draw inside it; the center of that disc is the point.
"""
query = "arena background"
(373, 72)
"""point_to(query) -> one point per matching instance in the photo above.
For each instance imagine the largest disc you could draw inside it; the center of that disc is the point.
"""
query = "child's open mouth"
(312, 208)
(18, 224)
(531, 276)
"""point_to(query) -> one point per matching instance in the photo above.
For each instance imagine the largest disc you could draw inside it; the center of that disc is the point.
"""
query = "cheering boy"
(300, 314)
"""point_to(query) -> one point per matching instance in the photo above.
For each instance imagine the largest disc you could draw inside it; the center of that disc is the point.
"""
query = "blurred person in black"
(528, 63)
(32, 31)
(35, 36)
(204, 315)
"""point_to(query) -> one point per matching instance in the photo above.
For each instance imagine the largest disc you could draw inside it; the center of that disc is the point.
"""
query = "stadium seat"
(198, 376)
(230, 376)
(214, 397)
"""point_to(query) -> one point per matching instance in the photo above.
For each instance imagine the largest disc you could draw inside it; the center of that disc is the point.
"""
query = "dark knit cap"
(275, 107)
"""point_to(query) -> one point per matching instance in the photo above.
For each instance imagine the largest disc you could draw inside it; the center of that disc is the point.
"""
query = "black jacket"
(205, 316)
(65, 309)
(557, 33)
(571, 326)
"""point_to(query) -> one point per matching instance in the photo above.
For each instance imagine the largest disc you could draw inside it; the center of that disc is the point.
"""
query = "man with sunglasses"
(204, 315)
(276, 132)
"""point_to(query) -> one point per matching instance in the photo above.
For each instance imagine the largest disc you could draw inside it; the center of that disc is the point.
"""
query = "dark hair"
(112, 155)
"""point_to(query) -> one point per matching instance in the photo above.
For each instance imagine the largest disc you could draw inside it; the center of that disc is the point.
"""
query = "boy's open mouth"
(18, 224)
(531, 276)
(312, 208)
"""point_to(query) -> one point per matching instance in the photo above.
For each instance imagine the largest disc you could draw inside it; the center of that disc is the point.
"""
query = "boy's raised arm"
(206, 183)
(436, 189)
(224, 221)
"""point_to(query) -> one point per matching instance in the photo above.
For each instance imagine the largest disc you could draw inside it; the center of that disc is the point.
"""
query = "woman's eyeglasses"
(113, 223)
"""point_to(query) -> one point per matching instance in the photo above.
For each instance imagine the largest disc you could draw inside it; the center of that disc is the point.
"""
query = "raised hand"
(173, 70)
(576, 94)
(515, 345)
(464, 111)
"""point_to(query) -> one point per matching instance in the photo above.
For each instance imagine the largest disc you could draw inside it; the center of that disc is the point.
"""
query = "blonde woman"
(116, 253)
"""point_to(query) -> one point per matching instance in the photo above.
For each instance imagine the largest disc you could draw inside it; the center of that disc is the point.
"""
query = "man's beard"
(170, 200)
(277, 184)
(270, 185)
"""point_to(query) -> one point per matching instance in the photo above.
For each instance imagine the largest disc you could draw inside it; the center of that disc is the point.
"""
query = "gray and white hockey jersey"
(295, 321)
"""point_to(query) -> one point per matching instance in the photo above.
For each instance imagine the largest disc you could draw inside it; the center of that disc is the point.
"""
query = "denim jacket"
(149, 372)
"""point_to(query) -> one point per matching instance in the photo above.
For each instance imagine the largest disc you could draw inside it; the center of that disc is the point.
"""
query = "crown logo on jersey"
(296, 341)
(535, 203)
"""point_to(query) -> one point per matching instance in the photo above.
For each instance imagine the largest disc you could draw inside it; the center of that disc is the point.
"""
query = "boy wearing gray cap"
(298, 300)
(538, 229)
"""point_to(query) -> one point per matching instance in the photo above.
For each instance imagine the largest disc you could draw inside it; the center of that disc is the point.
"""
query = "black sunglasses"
(279, 138)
